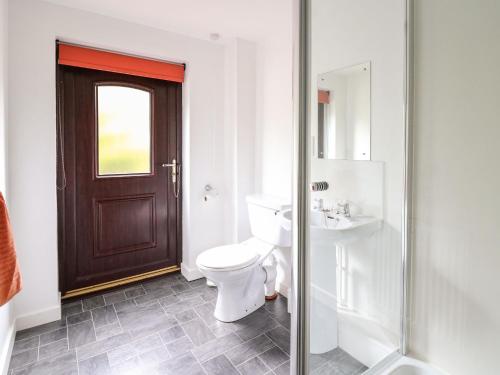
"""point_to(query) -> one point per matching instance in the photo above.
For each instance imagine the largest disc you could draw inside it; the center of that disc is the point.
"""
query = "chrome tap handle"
(344, 209)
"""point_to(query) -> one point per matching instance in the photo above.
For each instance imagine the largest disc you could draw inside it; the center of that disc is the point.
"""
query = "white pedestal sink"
(327, 232)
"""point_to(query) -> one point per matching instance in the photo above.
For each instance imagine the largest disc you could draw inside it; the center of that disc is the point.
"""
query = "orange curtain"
(84, 57)
(323, 97)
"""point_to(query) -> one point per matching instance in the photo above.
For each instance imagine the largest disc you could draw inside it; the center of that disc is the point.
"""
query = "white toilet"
(245, 273)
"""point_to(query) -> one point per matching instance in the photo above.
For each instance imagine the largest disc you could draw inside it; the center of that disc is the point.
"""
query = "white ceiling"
(248, 19)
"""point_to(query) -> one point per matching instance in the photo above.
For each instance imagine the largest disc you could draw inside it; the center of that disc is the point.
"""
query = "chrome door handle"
(174, 166)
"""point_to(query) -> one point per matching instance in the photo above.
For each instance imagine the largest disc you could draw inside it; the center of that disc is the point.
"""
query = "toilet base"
(272, 297)
(237, 315)
(240, 295)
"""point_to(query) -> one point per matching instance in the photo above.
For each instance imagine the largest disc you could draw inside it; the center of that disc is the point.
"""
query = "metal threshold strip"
(115, 283)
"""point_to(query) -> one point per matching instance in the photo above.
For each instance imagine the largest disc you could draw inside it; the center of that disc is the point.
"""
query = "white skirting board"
(23, 322)
(283, 289)
(39, 317)
(6, 350)
(190, 273)
(365, 339)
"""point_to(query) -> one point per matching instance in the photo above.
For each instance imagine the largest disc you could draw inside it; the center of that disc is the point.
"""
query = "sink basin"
(340, 230)
(336, 230)
(287, 219)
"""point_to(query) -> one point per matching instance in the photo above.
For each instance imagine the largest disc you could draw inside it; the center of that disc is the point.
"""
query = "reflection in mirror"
(344, 113)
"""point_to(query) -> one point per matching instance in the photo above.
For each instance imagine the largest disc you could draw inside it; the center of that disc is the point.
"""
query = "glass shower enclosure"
(350, 202)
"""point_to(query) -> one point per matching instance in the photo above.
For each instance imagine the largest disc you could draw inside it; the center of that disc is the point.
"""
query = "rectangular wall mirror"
(344, 113)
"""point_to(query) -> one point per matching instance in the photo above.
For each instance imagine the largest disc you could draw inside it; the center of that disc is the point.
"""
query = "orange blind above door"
(117, 63)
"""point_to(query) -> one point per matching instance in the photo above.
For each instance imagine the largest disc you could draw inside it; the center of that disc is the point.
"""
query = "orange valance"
(323, 96)
(84, 57)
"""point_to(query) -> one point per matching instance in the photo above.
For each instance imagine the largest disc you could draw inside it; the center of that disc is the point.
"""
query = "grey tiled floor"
(164, 326)
(335, 362)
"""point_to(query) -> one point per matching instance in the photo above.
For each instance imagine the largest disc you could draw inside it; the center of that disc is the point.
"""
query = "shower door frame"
(408, 177)
(301, 169)
(299, 363)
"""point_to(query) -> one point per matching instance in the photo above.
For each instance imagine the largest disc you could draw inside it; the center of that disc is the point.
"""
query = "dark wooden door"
(118, 211)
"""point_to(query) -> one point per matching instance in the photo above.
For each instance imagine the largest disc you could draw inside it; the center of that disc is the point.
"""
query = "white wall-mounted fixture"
(214, 37)
(210, 193)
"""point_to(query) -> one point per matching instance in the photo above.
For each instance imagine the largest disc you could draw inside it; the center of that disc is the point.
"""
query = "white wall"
(274, 148)
(274, 133)
(259, 131)
(240, 75)
(359, 182)
(6, 311)
(455, 320)
(376, 36)
(34, 27)
(3, 93)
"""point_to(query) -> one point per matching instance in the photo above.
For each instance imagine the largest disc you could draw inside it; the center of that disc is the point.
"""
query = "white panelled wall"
(455, 319)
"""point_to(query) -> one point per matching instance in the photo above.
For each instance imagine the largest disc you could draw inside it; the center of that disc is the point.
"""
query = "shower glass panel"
(355, 130)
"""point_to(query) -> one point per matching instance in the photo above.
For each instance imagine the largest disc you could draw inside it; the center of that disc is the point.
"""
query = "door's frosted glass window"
(123, 130)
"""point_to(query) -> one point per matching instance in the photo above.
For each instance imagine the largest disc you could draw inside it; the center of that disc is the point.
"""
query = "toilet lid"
(228, 257)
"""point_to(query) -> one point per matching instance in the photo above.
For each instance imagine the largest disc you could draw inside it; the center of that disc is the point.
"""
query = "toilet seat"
(228, 258)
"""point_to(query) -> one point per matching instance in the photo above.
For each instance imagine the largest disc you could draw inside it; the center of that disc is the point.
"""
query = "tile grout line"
(39, 359)
(259, 353)
(93, 325)
(25, 350)
(201, 366)
(67, 337)
(242, 343)
(257, 356)
(76, 351)
(118, 318)
(165, 346)
(275, 343)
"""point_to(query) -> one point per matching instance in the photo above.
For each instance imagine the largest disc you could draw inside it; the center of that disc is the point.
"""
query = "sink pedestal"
(324, 335)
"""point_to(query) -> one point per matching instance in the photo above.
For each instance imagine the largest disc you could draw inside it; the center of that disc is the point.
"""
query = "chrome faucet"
(343, 209)
(318, 204)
